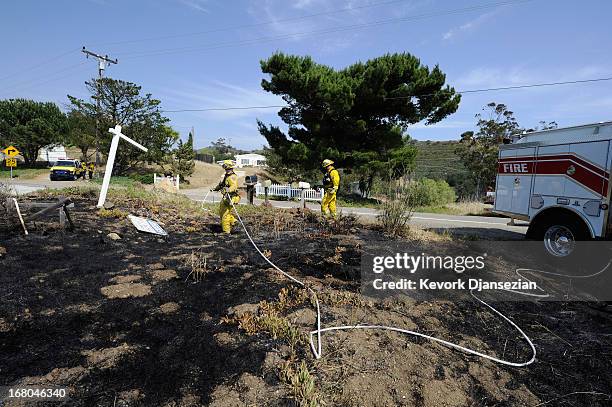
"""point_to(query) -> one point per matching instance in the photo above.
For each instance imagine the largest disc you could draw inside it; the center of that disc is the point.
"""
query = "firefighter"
(84, 169)
(229, 186)
(331, 182)
(90, 168)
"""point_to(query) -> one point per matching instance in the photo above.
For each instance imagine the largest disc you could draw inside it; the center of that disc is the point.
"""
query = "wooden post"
(62, 217)
(303, 197)
(266, 194)
(20, 217)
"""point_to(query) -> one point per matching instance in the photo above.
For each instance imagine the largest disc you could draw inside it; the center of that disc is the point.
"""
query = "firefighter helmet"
(326, 163)
(228, 164)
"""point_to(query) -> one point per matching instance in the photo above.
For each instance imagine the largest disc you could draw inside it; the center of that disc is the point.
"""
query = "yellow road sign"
(11, 162)
(11, 151)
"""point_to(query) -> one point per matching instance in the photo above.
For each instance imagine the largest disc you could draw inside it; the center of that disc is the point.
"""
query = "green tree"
(478, 151)
(183, 163)
(31, 125)
(354, 114)
(221, 146)
(81, 133)
(140, 116)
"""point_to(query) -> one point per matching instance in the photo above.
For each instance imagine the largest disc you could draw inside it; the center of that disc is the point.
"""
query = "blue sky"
(189, 53)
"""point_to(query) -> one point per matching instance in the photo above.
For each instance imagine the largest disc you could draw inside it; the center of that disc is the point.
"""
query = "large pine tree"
(356, 115)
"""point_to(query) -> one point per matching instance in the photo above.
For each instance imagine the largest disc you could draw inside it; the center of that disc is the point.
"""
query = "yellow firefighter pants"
(328, 204)
(225, 212)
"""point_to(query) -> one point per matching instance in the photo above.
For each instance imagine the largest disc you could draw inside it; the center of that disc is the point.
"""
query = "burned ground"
(198, 318)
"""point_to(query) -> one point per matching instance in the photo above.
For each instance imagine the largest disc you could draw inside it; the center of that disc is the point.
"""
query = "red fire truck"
(559, 181)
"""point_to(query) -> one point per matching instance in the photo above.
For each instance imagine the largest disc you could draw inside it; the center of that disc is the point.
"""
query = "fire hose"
(317, 348)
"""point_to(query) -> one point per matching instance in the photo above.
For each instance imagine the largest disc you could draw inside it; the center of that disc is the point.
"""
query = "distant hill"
(438, 160)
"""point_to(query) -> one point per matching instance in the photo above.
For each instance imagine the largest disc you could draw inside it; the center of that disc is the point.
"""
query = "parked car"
(66, 169)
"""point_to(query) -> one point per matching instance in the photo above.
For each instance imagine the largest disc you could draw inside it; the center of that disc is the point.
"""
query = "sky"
(199, 54)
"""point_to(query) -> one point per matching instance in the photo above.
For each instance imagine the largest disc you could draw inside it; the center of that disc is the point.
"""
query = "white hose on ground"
(317, 350)
(206, 196)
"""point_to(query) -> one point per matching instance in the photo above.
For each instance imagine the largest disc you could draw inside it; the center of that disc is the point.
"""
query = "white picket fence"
(290, 193)
(174, 181)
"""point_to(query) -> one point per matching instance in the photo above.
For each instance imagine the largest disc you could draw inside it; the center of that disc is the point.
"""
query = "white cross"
(110, 162)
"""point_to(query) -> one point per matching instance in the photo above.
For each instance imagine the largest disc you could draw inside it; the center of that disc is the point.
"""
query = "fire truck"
(559, 181)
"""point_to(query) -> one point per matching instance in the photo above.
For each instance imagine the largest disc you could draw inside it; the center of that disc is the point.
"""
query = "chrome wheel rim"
(559, 241)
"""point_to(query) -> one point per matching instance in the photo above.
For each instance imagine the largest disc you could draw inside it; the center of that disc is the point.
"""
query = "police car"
(66, 169)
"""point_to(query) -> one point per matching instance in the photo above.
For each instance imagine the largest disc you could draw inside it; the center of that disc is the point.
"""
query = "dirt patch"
(163, 275)
(129, 397)
(109, 357)
(125, 279)
(169, 308)
(4, 325)
(126, 290)
(58, 376)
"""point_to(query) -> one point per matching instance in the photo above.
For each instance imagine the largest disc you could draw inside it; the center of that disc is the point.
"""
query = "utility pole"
(103, 62)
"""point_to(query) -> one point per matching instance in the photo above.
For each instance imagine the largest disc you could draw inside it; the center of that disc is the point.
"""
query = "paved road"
(20, 187)
(483, 225)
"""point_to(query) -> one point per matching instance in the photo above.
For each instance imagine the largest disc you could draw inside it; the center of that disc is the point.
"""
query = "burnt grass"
(53, 315)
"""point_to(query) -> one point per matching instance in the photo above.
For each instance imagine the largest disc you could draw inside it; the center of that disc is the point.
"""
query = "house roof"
(251, 155)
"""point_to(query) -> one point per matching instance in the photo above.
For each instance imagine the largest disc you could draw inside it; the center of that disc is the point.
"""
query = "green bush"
(143, 178)
(429, 192)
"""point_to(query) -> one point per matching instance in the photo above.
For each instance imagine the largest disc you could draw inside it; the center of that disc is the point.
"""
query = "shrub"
(397, 208)
(429, 192)
(143, 178)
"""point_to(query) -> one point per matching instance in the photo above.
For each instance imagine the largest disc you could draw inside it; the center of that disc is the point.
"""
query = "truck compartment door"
(515, 175)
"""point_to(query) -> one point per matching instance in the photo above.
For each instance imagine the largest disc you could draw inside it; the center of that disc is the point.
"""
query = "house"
(51, 154)
(250, 160)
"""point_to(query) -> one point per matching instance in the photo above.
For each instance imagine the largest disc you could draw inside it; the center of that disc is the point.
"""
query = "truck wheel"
(561, 234)
(75, 177)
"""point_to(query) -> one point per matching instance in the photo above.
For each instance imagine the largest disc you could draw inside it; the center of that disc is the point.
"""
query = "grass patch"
(302, 384)
(112, 213)
(354, 201)
(130, 196)
(468, 208)
(120, 181)
(23, 173)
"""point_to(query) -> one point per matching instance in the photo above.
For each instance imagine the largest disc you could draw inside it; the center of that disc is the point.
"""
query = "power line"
(535, 85)
(178, 50)
(263, 23)
(33, 82)
(216, 109)
(38, 65)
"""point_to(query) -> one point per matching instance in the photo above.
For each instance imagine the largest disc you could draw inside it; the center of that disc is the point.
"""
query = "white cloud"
(285, 18)
(489, 77)
(302, 4)
(219, 94)
(198, 5)
(525, 74)
(470, 25)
